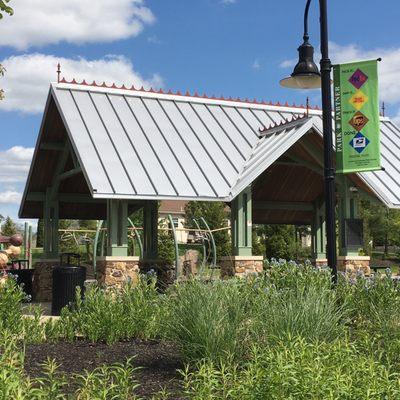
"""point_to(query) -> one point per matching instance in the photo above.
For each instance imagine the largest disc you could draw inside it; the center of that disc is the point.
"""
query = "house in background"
(177, 211)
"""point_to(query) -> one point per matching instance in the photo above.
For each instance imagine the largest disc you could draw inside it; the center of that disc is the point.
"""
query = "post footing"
(241, 266)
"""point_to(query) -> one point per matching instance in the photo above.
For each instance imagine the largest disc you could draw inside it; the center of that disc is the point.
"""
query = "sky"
(238, 48)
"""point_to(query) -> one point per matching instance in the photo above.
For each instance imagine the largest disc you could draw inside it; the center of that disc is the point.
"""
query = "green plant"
(112, 315)
(51, 384)
(208, 320)
(113, 382)
(311, 313)
(295, 369)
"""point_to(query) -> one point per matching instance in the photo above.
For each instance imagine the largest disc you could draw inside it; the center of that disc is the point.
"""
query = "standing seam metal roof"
(141, 145)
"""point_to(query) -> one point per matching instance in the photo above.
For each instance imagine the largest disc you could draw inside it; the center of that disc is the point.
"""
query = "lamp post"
(307, 76)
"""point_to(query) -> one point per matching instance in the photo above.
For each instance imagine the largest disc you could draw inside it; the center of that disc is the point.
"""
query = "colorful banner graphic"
(357, 117)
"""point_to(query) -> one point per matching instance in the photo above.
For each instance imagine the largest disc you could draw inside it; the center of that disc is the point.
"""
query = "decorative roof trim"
(285, 124)
(179, 93)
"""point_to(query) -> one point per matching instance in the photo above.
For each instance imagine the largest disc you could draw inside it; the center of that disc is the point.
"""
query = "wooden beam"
(307, 164)
(56, 146)
(282, 205)
(69, 174)
(315, 153)
(65, 198)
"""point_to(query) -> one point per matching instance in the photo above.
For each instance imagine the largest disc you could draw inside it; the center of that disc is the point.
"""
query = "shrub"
(112, 315)
(295, 369)
(208, 320)
(310, 313)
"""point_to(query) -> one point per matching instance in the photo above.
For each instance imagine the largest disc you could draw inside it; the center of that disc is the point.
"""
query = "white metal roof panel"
(136, 144)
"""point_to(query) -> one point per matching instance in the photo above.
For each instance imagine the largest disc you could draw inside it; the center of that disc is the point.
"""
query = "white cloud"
(389, 68)
(228, 1)
(396, 119)
(256, 65)
(15, 164)
(26, 82)
(43, 22)
(10, 197)
(154, 39)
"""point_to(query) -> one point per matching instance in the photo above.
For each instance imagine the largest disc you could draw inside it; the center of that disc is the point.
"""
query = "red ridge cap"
(283, 122)
(187, 94)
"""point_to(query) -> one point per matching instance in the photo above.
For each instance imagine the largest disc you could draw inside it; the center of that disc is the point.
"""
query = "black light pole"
(307, 76)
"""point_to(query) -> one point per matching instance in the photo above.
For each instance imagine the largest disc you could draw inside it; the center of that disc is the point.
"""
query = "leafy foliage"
(215, 214)
(112, 315)
(4, 8)
(166, 249)
(296, 369)
(280, 241)
(381, 225)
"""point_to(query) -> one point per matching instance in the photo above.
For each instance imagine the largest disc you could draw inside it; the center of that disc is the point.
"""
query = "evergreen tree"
(9, 228)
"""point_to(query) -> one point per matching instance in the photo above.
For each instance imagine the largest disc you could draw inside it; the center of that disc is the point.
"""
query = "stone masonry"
(349, 264)
(241, 266)
(43, 280)
(114, 271)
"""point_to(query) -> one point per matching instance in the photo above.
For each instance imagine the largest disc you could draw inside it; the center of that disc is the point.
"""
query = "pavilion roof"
(136, 144)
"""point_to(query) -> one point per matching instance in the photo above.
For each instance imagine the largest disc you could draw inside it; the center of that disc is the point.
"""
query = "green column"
(50, 231)
(150, 230)
(347, 209)
(241, 223)
(318, 232)
(117, 232)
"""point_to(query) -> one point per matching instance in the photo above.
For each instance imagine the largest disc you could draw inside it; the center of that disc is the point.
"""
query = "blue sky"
(232, 47)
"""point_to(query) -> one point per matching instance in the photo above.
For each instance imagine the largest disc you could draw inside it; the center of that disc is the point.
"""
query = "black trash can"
(24, 275)
(66, 278)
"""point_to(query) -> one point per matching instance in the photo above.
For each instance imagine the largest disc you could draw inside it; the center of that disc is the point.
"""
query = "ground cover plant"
(286, 334)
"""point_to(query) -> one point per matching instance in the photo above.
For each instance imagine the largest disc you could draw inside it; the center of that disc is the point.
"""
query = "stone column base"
(348, 264)
(353, 264)
(42, 285)
(241, 266)
(320, 262)
(114, 271)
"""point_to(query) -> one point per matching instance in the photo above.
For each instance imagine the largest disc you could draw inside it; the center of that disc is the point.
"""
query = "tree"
(215, 214)
(381, 226)
(4, 8)
(9, 228)
(166, 248)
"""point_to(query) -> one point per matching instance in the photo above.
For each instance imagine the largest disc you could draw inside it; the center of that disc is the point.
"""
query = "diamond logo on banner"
(358, 79)
(358, 100)
(358, 121)
(359, 142)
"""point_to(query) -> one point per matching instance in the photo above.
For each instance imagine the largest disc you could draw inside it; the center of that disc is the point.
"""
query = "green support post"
(30, 235)
(50, 217)
(318, 229)
(178, 268)
(241, 223)
(150, 230)
(26, 238)
(137, 234)
(347, 209)
(99, 225)
(204, 261)
(117, 232)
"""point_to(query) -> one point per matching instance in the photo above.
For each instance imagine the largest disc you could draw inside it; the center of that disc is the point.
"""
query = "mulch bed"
(158, 360)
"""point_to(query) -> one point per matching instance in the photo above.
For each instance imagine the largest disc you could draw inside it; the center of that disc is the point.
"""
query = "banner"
(357, 117)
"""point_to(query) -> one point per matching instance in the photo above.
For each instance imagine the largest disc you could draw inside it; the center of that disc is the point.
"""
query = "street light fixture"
(306, 76)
